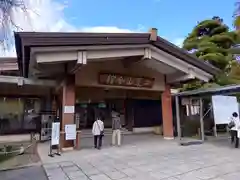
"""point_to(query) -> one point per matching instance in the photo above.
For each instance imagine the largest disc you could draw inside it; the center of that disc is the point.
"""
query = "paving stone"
(136, 163)
(144, 177)
(171, 178)
(106, 169)
(92, 171)
(141, 168)
(116, 175)
(58, 178)
(100, 177)
(28, 173)
(208, 173)
(51, 172)
(66, 164)
(130, 172)
(155, 167)
(120, 166)
(188, 176)
(51, 166)
(184, 168)
(75, 174)
(231, 176)
(158, 175)
(170, 171)
(127, 178)
(167, 160)
(71, 168)
(85, 166)
(80, 178)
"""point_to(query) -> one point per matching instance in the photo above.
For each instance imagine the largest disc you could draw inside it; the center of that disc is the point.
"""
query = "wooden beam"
(130, 61)
(177, 77)
(180, 65)
(82, 57)
(76, 68)
(81, 60)
(147, 53)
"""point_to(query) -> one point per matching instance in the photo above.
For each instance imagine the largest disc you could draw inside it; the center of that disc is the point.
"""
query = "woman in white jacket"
(97, 131)
(235, 130)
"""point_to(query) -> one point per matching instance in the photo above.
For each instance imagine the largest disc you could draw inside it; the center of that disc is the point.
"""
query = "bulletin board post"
(55, 140)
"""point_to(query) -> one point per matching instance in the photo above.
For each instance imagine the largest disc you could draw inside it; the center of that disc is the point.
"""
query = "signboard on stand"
(55, 139)
(55, 133)
(70, 131)
(223, 107)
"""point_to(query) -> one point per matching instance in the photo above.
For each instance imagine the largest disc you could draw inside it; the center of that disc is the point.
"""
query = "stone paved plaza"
(28, 173)
(150, 158)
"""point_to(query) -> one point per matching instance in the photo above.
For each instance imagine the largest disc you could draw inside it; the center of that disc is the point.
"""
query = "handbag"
(231, 124)
(101, 132)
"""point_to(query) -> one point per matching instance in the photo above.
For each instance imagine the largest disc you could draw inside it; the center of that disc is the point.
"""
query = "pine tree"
(233, 73)
(212, 42)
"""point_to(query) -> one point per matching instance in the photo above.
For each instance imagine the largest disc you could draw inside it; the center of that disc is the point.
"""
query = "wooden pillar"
(167, 115)
(179, 129)
(201, 120)
(68, 103)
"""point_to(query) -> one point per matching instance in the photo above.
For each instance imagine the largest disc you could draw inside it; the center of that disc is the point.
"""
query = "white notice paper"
(70, 130)
(69, 109)
(55, 133)
(223, 107)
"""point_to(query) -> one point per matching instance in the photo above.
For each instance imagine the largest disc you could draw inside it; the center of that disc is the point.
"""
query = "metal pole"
(178, 118)
(201, 120)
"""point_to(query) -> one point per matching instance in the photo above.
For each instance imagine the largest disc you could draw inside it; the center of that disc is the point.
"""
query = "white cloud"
(48, 16)
(178, 41)
(106, 29)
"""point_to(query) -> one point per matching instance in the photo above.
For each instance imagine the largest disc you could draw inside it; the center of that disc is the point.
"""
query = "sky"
(173, 19)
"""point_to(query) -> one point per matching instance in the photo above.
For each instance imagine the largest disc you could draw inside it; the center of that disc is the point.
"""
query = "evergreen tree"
(233, 76)
(212, 42)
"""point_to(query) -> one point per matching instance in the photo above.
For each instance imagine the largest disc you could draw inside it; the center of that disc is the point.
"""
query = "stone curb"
(21, 167)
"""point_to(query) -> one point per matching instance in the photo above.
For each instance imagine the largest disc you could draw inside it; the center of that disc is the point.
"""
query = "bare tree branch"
(7, 24)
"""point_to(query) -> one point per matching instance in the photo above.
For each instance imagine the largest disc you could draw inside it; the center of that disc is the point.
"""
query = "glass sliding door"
(32, 117)
(20, 115)
(11, 114)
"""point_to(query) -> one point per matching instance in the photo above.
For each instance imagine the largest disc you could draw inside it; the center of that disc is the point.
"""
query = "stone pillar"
(68, 99)
(167, 115)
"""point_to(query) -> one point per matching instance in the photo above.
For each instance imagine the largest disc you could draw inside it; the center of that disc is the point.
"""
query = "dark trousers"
(98, 141)
(234, 136)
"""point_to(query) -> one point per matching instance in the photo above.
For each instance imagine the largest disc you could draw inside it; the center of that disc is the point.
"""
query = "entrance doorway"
(86, 113)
